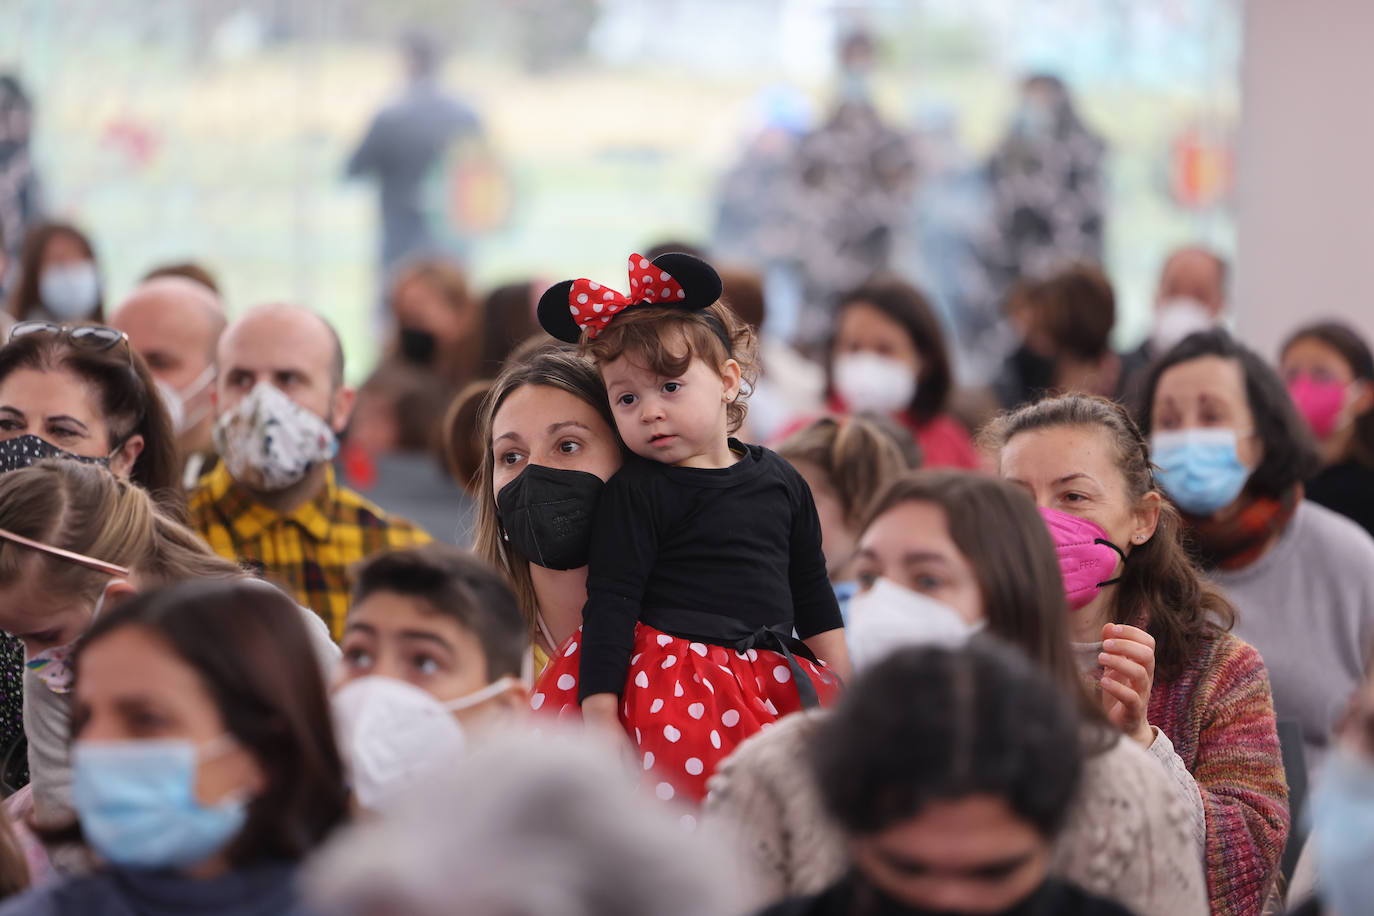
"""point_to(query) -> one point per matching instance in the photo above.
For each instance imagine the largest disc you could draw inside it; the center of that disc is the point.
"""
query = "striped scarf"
(1242, 537)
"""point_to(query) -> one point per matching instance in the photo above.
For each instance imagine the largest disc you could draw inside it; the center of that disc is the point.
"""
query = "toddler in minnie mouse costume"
(706, 553)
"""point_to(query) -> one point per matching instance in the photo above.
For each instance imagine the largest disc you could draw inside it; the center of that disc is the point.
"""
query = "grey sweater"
(1308, 607)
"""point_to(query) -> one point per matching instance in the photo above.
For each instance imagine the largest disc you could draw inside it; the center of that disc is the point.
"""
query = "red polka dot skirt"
(686, 704)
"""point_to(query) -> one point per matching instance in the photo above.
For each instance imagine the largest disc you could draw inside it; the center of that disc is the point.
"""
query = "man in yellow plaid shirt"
(273, 501)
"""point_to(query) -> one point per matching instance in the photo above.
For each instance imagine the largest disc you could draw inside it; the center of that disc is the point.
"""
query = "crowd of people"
(610, 598)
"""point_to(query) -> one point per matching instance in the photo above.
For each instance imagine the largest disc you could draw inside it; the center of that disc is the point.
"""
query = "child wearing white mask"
(888, 356)
(944, 556)
(433, 650)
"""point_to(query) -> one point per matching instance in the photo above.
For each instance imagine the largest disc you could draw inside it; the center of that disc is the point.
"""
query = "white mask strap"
(477, 697)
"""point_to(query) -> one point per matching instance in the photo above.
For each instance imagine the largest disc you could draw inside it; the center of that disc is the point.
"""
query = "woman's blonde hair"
(856, 456)
(555, 367)
(86, 509)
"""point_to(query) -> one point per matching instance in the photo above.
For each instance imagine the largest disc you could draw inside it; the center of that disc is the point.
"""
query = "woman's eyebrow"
(512, 436)
(69, 419)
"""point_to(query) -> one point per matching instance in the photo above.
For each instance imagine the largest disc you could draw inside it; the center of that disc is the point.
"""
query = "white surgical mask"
(392, 733)
(889, 617)
(1175, 319)
(176, 400)
(70, 291)
(871, 383)
(269, 442)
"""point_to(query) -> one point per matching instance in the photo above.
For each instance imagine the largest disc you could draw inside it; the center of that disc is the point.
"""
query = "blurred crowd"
(835, 564)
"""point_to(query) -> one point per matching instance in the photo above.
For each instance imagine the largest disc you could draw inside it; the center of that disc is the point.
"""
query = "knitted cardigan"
(1126, 836)
(1219, 714)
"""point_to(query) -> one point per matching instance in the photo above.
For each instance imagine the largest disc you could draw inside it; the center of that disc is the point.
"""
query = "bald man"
(1191, 297)
(175, 323)
(280, 403)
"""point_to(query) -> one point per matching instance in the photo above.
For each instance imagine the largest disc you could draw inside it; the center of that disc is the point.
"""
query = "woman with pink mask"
(1329, 371)
(1154, 635)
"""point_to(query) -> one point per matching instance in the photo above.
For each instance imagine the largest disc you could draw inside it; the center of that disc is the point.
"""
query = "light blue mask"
(1199, 468)
(1343, 830)
(137, 804)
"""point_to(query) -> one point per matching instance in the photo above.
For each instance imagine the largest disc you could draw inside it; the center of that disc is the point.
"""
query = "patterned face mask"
(22, 451)
(269, 442)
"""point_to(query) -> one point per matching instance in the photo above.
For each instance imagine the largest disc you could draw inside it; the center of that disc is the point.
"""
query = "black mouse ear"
(554, 314)
(698, 279)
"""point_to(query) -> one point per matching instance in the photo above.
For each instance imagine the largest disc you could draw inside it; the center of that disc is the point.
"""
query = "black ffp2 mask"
(418, 346)
(547, 514)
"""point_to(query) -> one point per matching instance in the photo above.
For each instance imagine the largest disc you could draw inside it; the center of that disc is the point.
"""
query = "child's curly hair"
(666, 340)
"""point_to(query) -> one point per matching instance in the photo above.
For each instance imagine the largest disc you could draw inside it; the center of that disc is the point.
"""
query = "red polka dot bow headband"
(676, 280)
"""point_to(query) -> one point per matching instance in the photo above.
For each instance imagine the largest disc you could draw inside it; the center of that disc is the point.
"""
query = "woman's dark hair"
(510, 321)
(1160, 588)
(997, 529)
(905, 304)
(1290, 456)
(25, 297)
(1352, 349)
(933, 724)
(247, 642)
(128, 401)
(455, 584)
(1076, 307)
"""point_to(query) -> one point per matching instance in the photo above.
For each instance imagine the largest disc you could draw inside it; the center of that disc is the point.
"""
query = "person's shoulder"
(352, 507)
(91, 895)
(1334, 537)
(1124, 790)
(776, 749)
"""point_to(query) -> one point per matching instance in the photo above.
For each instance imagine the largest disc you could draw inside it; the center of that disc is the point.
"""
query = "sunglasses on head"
(96, 337)
(79, 559)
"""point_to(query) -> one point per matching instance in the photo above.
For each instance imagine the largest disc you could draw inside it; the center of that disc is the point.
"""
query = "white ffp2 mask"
(889, 617)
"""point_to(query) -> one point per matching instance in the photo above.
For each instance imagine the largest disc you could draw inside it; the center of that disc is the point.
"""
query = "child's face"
(679, 421)
(402, 637)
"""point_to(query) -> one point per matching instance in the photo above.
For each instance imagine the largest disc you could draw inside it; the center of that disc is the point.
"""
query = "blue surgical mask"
(1199, 468)
(1343, 831)
(137, 802)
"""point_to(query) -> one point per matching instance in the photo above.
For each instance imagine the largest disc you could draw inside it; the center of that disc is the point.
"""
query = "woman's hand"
(1128, 655)
(601, 713)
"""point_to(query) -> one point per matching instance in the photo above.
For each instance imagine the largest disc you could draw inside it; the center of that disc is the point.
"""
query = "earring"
(1140, 539)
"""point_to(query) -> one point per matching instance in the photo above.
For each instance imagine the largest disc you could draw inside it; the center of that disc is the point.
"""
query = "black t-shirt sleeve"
(623, 551)
(813, 600)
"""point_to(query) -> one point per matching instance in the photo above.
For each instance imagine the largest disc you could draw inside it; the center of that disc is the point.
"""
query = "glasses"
(95, 337)
(79, 559)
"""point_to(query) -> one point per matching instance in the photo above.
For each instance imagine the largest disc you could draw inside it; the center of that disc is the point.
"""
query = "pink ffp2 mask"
(1087, 557)
(1319, 402)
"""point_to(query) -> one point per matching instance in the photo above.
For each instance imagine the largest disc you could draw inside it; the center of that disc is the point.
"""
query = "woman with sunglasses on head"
(79, 393)
(204, 762)
(74, 542)
(82, 392)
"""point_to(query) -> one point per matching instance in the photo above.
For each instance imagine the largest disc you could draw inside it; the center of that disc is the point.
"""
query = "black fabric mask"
(418, 346)
(22, 451)
(547, 515)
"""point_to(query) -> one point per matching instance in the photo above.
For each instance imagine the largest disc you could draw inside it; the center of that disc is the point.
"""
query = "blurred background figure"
(405, 141)
(19, 200)
(508, 321)
(855, 174)
(59, 277)
(526, 826)
(392, 453)
(1191, 297)
(174, 323)
(437, 322)
(1329, 372)
(887, 356)
(1067, 321)
(1048, 183)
